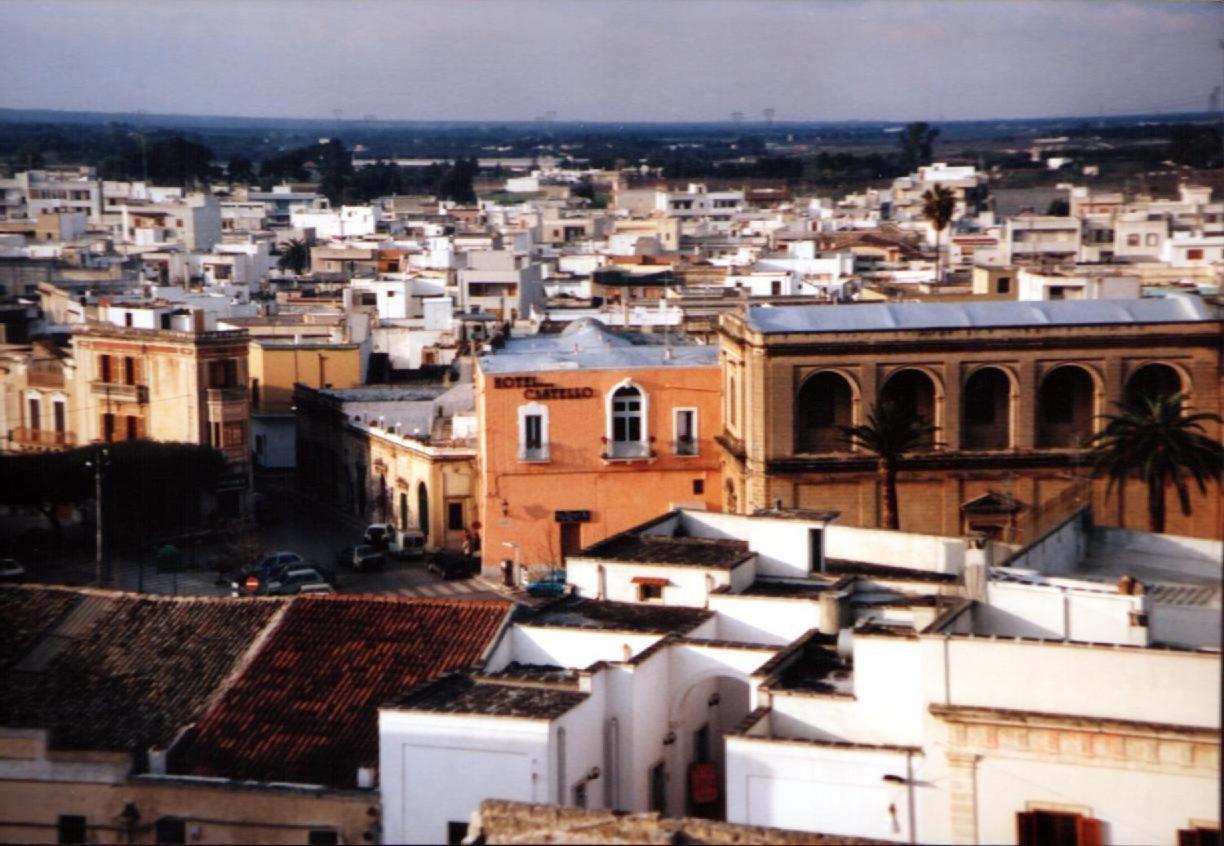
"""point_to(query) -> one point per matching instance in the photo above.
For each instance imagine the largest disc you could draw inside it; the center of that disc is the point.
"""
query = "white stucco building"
(790, 672)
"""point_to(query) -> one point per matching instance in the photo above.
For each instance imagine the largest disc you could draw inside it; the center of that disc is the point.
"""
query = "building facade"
(1015, 390)
(182, 383)
(586, 433)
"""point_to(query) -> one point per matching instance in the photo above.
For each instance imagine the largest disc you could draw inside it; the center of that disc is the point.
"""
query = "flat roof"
(892, 317)
(588, 344)
(574, 612)
(461, 694)
(666, 550)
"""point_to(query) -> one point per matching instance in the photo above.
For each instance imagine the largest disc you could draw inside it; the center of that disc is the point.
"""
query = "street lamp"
(99, 463)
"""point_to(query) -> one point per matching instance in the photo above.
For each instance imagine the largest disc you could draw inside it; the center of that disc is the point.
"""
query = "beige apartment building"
(182, 383)
(1015, 389)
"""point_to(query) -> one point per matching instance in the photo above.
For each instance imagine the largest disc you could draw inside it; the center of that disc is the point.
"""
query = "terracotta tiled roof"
(305, 710)
(129, 673)
(25, 614)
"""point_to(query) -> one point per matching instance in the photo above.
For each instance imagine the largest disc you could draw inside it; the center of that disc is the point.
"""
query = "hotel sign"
(534, 389)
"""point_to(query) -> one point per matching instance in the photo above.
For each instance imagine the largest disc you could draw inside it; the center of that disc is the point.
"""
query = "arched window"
(403, 511)
(627, 437)
(1152, 381)
(825, 401)
(913, 392)
(1066, 404)
(986, 402)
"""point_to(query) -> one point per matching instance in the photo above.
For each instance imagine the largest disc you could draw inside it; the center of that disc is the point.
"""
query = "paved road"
(300, 525)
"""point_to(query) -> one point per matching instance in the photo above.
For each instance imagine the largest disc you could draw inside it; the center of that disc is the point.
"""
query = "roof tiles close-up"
(304, 710)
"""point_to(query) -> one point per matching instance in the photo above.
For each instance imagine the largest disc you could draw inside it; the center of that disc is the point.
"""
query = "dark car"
(551, 584)
(361, 558)
(450, 566)
(11, 570)
(293, 579)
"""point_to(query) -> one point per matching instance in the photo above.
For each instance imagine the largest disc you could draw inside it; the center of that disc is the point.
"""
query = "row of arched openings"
(1068, 405)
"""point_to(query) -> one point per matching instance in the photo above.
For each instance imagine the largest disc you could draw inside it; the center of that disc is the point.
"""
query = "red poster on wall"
(703, 783)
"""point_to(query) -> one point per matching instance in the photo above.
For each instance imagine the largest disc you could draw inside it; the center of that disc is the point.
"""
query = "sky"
(612, 60)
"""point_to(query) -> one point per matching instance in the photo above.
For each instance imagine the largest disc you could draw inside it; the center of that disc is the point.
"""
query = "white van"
(409, 543)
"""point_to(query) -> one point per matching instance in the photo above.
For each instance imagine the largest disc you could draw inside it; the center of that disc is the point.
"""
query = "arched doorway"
(913, 392)
(986, 404)
(382, 499)
(423, 510)
(698, 720)
(403, 511)
(824, 402)
(1066, 405)
(1152, 381)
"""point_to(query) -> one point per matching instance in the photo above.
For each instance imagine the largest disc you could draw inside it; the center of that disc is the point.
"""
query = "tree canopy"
(916, 142)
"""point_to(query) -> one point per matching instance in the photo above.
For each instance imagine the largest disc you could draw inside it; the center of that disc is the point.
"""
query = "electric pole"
(100, 461)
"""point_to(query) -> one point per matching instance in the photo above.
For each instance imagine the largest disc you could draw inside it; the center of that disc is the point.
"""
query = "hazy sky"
(611, 59)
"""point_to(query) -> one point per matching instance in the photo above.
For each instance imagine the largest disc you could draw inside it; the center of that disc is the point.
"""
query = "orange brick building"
(589, 432)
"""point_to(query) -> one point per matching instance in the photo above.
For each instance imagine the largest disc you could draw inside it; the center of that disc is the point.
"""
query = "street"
(297, 525)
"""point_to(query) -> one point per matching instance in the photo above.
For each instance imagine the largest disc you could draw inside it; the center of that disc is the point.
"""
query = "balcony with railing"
(42, 438)
(119, 392)
(226, 395)
(627, 450)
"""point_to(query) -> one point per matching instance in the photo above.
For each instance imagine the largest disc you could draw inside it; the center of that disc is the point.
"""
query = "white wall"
(1182, 688)
(499, 759)
(764, 619)
(570, 647)
(1135, 806)
(1095, 616)
(896, 549)
(819, 788)
(1190, 626)
(689, 585)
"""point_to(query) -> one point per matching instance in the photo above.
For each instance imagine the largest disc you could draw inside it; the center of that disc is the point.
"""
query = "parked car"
(274, 563)
(379, 535)
(450, 566)
(292, 580)
(11, 570)
(361, 558)
(550, 584)
(411, 544)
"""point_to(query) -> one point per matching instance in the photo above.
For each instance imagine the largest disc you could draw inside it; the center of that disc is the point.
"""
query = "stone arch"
(1155, 379)
(825, 400)
(1067, 403)
(917, 391)
(716, 699)
(987, 408)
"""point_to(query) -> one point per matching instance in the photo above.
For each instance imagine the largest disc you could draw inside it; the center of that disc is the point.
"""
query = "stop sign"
(252, 583)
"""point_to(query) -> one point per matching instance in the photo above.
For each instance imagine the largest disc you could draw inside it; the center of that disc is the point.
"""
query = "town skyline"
(617, 60)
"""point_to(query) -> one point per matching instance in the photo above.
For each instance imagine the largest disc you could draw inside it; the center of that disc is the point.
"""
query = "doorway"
(571, 539)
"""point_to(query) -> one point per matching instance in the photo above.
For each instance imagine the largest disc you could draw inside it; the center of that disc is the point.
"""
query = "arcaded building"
(1016, 388)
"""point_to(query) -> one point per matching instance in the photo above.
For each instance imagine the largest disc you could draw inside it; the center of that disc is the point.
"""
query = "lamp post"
(100, 461)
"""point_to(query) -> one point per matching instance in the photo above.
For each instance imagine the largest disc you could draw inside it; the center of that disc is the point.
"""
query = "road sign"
(252, 583)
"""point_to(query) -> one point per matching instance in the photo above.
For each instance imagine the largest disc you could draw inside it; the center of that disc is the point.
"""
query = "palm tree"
(891, 431)
(1152, 439)
(938, 206)
(294, 256)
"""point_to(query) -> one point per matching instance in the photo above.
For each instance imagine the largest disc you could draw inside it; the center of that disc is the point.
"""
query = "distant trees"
(1154, 440)
(938, 206)
(917, 141)
(295, 256)
(240, 169)
(159, 484)
(1195, 146)
(455, 183)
